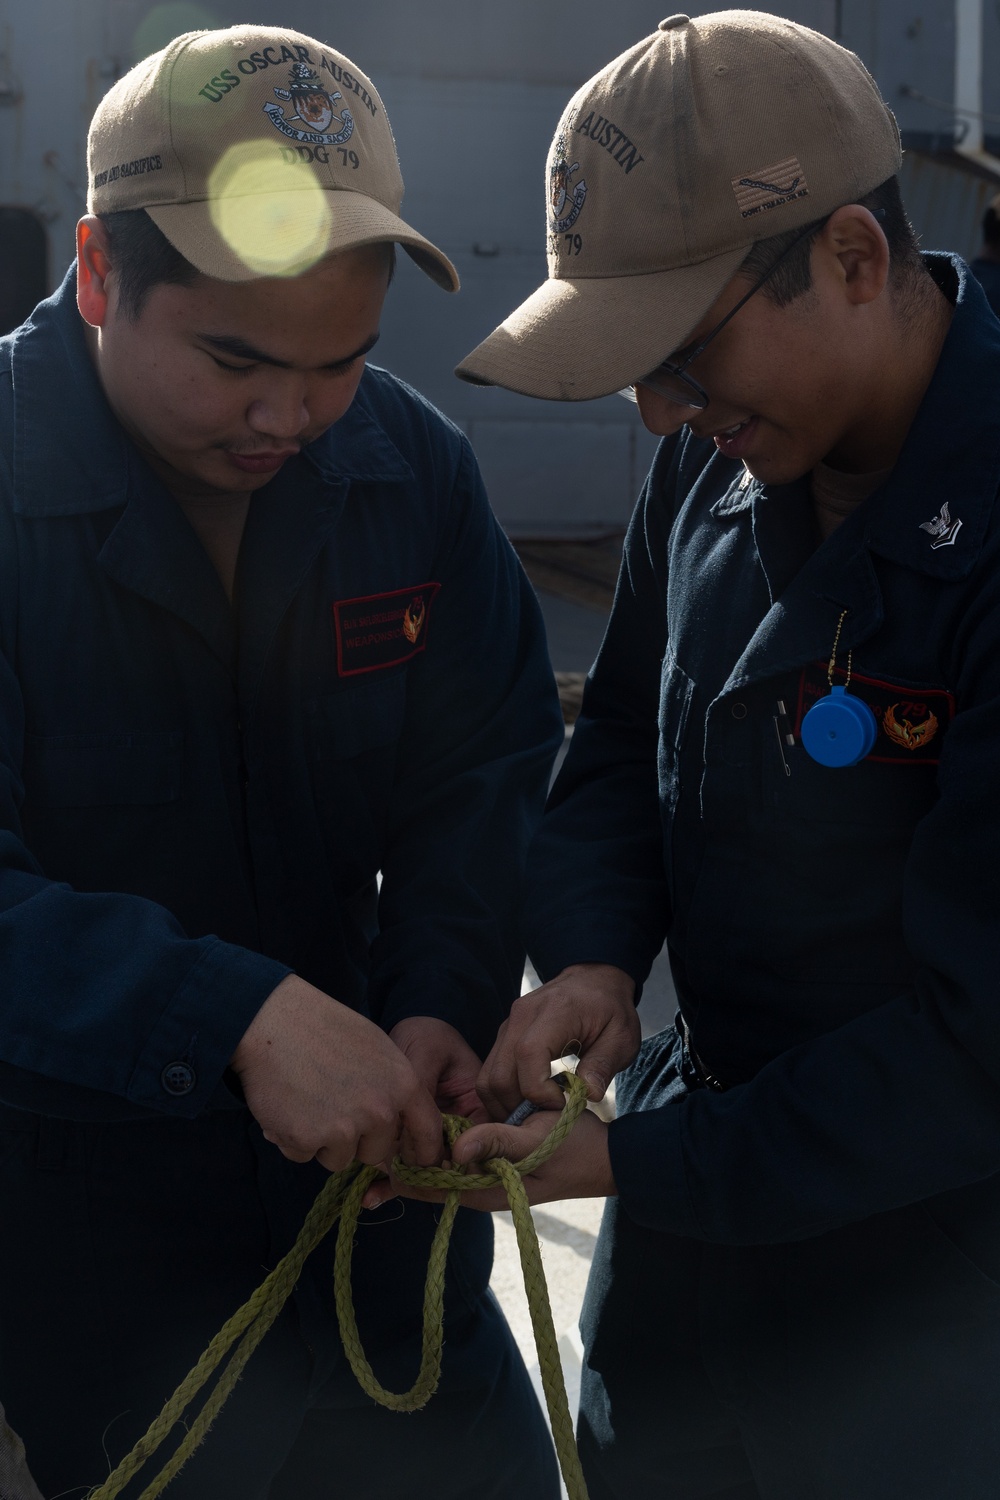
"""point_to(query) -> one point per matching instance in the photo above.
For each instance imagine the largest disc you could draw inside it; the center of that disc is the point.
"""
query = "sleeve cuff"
(185, 1058)
(585, 941)
(647, 1161)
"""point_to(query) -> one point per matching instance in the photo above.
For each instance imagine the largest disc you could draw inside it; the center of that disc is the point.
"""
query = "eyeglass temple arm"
(678, 369)
(877, 213)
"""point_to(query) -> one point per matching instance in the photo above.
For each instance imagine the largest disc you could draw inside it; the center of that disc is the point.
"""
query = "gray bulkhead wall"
(56, 63)
(910, 48)
(474, 91)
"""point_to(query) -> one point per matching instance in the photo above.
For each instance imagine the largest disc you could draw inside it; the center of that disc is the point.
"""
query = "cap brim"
(353, 222)
(576, 340)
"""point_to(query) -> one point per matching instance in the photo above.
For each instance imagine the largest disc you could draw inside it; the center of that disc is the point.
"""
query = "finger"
(520, 1067)
(333, 1157)
(490, 1092)
(380, 1192)
(289, 1149)
(614, 1048)
(462, 1099)
(522, 1076)
(597, 1070)
(421, 1143)
(511, 1141)
(457, 1096)
(535, 1056)
(485, 1141)
(489, 1076)
(520, 1044)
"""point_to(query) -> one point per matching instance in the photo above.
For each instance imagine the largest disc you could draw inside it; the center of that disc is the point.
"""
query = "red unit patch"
(911, 721)
(382, 630)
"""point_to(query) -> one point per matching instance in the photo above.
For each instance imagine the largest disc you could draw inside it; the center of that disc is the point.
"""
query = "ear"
(856, 252)
(93, 267)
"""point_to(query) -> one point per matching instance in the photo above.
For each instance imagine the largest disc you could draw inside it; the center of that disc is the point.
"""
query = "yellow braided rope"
(341, 1197)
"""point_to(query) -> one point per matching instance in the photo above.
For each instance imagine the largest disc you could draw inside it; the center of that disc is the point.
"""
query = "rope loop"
(341, 1197)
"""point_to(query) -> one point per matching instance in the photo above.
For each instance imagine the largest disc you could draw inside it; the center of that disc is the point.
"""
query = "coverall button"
(739, 710)
(178, 1078)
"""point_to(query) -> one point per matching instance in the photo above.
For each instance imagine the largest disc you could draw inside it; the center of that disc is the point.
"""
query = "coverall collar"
(71, 457)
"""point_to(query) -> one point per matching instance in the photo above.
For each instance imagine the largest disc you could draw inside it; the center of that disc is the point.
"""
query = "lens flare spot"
(271, 212)
(162, 23)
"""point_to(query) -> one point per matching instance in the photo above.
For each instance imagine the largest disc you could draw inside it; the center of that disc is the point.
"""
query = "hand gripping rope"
(340, 1197)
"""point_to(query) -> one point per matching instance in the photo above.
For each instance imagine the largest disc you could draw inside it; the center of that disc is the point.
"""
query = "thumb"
(596, 1075)
(485, 1141)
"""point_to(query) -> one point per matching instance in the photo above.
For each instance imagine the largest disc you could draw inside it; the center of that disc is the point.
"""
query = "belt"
(698, 1067)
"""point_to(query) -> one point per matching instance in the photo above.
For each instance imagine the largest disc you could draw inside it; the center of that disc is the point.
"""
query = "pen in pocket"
(783, 734)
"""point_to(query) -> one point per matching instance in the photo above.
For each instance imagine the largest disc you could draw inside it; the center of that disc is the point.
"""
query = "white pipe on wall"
(969, 74)
(969, 83)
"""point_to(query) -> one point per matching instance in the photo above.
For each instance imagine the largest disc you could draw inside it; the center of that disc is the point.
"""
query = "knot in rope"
(462, 1180)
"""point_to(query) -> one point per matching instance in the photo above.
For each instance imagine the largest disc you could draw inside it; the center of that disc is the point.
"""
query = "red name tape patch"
(382, 630)
(911, 721)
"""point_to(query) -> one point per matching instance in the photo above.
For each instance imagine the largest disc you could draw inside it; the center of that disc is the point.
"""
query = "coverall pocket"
(870, 794)
(124, 768)
(363, 717)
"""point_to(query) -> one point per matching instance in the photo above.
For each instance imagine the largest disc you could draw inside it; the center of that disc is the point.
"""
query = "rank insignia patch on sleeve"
(911, 721)
(382, 630)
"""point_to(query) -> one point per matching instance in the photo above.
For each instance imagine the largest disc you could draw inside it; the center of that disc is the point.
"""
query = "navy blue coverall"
(796, 1294)
(195, 799)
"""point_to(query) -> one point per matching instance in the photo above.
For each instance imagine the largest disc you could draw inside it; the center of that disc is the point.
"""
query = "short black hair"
(991, 224)
(143, 258)
(794, 276)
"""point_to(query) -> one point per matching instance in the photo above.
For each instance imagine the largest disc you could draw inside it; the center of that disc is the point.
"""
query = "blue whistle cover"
(839, 730)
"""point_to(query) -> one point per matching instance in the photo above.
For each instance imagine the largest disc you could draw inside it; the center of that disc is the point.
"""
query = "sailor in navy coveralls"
(796, 1292)
(262, 643)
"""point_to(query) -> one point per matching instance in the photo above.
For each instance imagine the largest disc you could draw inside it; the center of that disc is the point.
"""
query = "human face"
(774, 400)
(673, 378)
(788, 386)
(220, 383)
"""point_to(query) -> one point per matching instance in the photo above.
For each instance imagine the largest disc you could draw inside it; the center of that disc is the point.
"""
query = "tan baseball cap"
(665, 168)
(257, 151)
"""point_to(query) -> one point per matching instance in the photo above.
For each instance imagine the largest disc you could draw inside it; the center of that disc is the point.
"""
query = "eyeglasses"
(670, 380)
